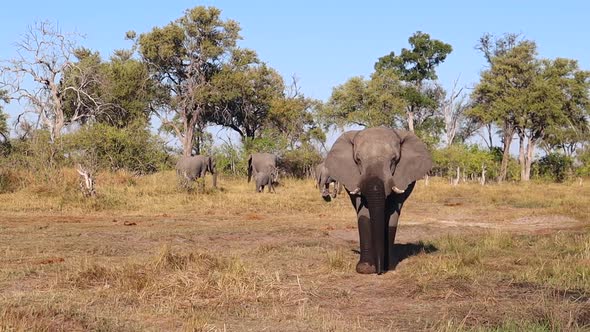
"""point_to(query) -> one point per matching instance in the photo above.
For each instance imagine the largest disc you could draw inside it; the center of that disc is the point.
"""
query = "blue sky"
(323, 43)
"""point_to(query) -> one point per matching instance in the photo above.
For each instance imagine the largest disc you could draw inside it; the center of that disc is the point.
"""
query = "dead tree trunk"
(86, 182)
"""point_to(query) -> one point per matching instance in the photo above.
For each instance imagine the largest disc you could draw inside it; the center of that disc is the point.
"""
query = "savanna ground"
(146, 256)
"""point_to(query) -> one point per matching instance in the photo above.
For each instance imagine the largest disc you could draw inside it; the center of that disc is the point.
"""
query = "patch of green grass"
(559, 260)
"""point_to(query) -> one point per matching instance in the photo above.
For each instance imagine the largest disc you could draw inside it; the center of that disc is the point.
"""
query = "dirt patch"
(523, 224)
(51, 260)
(254, 216)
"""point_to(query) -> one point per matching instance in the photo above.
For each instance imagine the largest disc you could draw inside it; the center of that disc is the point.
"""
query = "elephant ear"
(249, 168)
(415, 160)
(210, 164)
(340, 161)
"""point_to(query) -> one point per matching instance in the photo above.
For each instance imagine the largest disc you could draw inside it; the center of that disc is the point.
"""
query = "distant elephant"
(323, 180)
(263, 166)
(379, 168)
(194, 167)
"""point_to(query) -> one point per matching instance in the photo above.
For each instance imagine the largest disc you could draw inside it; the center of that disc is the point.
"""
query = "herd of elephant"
(378, 167)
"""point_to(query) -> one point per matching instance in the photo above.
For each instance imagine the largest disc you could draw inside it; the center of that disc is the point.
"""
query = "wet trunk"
(375, 195)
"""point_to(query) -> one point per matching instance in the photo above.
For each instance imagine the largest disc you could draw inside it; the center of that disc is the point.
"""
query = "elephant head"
(375, 163)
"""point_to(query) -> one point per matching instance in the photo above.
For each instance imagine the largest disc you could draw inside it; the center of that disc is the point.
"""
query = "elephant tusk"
(356, 191)
(397, 190)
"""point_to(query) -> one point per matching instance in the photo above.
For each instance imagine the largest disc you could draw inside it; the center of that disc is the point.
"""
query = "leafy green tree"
(368, 103)
(559, 98)
(118, 92)
(182, 58)
(296, 118)
(130, 92)
(531, 97)
(245, 90)
(416, 67)
(500, 96)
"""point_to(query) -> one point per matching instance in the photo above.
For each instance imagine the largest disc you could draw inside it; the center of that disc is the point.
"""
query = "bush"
(104, 147)
(469, 158)
(36, 156)
(554, 166)
(300, 162)
(583, 160)
(9, 181)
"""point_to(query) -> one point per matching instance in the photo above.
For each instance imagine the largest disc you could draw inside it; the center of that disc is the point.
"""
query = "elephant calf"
(194, 167)
(323, 180)
(263, 166)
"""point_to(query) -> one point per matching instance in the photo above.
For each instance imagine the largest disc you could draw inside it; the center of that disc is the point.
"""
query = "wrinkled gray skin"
(194, 167)
(378, 167)
(323, 180)
(263, 167)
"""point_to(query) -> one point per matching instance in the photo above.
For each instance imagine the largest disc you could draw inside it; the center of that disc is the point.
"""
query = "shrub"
(554, 166)
(300, 162)
(584, 163)
(105, 147)
(469, 158)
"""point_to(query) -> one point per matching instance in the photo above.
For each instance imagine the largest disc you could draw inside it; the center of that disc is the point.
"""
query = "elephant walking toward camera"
(379, 168)
(323, 180)
(191, 168)
(263, 166)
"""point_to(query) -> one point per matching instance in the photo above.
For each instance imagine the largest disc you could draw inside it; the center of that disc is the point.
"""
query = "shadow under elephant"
(403, 251)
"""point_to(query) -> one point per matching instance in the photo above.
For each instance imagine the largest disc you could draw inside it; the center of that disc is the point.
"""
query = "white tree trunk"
(456, 180)
(86, 182)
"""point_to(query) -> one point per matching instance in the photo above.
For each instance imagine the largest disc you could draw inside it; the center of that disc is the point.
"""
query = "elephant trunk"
(214, 179)
(374, 192)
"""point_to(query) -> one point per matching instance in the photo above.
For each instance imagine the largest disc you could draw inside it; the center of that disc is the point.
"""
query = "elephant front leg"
(366, 264)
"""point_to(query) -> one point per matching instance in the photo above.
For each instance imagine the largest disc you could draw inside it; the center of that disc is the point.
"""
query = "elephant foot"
(365, 268)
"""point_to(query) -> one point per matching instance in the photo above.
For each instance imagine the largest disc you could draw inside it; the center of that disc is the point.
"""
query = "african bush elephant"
(323, 180)
(263, 166)
(195, 167)
(379, 168)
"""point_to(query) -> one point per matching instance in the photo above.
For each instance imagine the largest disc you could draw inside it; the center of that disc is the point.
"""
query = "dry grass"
(146, 255)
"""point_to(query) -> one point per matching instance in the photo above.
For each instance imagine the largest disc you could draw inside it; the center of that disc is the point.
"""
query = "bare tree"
(453, 110)
(36, 76)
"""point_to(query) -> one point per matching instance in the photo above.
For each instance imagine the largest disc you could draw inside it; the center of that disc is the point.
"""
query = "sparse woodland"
(145, 105)
(96, 234)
